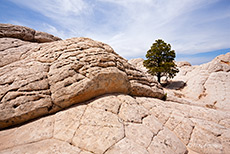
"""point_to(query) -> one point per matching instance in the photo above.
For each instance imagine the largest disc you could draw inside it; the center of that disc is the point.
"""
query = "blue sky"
(198, 30)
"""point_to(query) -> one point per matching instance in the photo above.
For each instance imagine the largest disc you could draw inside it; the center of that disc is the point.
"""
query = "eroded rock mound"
(208, 84)
(205, 85)
(41, 78)
(197, 106)
(25, 33)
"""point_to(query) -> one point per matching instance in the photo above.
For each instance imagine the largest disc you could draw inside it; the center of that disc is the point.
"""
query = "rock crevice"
(105, 104)
(55, 75)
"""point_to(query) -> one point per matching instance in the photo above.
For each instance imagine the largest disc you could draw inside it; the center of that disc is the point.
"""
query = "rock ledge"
(25, 33)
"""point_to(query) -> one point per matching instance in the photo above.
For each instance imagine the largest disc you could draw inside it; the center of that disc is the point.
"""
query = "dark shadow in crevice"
(174, 85)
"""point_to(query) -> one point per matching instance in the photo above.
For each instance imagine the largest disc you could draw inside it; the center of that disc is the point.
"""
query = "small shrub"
(164, 97)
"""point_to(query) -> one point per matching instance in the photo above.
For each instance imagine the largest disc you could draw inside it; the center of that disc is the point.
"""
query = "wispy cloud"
(131, 26)
(55, 8)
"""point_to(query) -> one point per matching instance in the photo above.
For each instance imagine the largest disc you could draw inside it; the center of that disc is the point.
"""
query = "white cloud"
(55, 8)
(150, 20)
(131, 26)
(52, 30)
(67, 14)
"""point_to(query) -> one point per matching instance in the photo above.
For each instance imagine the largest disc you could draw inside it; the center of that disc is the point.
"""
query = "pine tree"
(160, 60)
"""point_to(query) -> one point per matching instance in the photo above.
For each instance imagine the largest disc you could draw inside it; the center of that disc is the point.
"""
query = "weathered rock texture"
(198, 105)
(207, 84)
(25, 33)
(107, 115)
(183, 63)
(123, 124)
(38, 79)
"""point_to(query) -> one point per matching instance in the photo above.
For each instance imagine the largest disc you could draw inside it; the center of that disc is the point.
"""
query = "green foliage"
(160, 60)
(164, 97)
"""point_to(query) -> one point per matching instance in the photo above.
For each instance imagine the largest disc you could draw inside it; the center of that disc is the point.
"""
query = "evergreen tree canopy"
(160, 60)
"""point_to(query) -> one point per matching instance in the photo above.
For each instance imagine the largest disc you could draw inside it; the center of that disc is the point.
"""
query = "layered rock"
(107, 114)
(38, 79)
(25, 33)
(138, 63)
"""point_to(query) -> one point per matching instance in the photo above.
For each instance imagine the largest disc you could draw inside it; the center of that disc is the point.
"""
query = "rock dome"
(79, 96)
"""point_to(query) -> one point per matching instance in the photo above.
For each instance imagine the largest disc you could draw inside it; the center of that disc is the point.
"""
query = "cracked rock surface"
(78, 96)
(103, 125)
(205, 85)
(208, 84)
(97, 126)
(37, 79)
(201, 129)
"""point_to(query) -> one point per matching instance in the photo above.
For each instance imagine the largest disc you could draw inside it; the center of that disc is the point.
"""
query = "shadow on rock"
(175, 85)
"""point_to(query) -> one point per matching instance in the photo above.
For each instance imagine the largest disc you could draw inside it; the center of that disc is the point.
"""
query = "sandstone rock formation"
(182, 63)
(25, 33)
(109, 113)
(138, 63)
(203, 93)
(41, 78)
(123, 124)
(207, 84)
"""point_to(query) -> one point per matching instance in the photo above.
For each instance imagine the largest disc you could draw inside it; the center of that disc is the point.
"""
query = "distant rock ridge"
(41, 78)
(25, 33)
(183, 63)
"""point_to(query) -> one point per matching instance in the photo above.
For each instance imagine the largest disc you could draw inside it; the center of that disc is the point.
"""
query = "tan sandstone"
(42, 78)
(97, 127)
(79, 96)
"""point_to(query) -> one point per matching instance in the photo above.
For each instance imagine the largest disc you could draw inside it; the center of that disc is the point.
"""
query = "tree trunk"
(159, 77)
